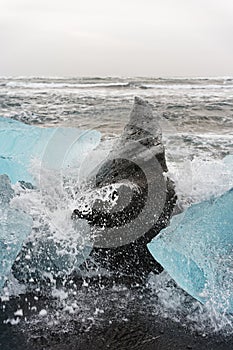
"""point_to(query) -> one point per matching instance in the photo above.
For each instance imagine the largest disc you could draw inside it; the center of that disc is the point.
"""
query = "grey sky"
(116, 37)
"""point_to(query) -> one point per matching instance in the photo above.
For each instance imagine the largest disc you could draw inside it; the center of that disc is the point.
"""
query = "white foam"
(197, 180)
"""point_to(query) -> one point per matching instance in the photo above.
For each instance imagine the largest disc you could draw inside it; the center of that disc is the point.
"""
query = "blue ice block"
(47, 256)
(197, 251)
(56, 148)
(15, 226)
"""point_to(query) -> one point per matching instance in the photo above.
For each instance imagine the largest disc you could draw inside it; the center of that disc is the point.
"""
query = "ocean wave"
(112, 85)
(185, 86)
(117, 83)
(59, 85)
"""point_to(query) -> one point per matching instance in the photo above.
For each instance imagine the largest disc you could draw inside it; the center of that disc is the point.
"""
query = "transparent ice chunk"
(56, 245)
(15, 226)
(197, 251)
(56, 148)
(47, 257)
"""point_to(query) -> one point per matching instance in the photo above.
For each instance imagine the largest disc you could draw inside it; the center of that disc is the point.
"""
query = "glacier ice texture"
(46, 258)
(56, 148)
(196, 249)
(15, 226)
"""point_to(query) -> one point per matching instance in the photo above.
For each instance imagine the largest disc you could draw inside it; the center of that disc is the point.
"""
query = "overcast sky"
(116, 37)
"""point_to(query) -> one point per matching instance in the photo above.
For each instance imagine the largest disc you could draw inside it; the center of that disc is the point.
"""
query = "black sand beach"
(117, 323)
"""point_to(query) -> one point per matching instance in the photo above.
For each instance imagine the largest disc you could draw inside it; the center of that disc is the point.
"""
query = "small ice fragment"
(18, 312)
(12, 321)
(43, 313)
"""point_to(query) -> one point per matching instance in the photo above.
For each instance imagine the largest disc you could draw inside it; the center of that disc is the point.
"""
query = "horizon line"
(114, 76)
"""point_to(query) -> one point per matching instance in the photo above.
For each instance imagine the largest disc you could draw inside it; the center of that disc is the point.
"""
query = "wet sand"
(105, 318)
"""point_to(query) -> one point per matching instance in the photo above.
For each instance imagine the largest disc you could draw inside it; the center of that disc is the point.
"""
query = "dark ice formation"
(142, 196)
(127, 201)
